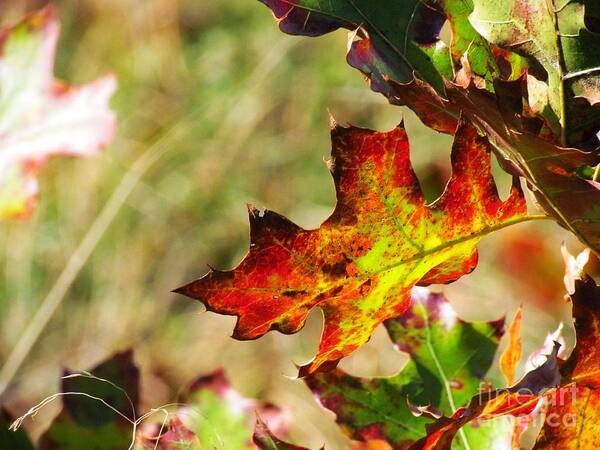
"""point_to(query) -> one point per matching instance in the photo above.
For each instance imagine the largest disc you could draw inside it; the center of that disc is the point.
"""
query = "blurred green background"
(216, 108)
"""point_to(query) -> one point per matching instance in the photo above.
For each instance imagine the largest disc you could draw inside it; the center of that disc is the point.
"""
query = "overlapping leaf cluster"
(519, 78)
(546, 50)
(382, 239)
(437, 401)
(440, 400)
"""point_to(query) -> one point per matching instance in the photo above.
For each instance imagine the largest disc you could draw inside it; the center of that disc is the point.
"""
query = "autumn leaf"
(449, 359)
(569, 389)
(572, 395)
(519, 400)
(433, 110)
(402, 37)
(512, 353)
(573, 419)
(39, 116)
(452, 357)
(361, 263)
(551, 171)
(399, 42)
(553, 34)
(374, 46)
(406, 33)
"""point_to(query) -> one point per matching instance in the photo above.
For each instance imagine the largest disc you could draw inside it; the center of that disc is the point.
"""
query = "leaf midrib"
(377, 412)
(441, 372)
(417, 257)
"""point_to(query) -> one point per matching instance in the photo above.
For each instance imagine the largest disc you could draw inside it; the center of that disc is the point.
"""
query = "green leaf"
(405, 32)
(221, 417)
(551, 171)
(483, 57)
(457, 353)
(553, 34)
(567, 389)
(520, 400)
(449, 359)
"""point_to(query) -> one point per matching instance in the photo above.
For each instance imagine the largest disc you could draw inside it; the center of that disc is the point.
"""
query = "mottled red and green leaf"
(361, 263)
(449, 359)
(381, 240)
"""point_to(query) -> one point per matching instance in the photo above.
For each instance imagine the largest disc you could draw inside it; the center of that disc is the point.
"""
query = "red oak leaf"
(381, 240)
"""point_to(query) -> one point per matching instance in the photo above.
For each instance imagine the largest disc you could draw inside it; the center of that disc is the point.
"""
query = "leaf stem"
(444, 377)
